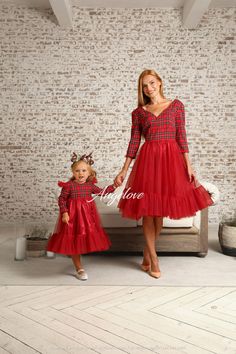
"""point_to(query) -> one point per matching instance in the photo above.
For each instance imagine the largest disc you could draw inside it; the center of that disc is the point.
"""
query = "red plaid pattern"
(169, 125)
(74, 190)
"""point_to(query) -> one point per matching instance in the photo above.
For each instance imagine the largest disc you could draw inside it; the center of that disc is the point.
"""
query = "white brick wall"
(65, 90)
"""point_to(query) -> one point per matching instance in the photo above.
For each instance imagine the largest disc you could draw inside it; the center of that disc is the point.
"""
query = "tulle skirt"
(160, 175)
(83, 234)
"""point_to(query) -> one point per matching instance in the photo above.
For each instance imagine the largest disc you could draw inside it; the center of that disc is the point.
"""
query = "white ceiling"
(192, 10)
(120, 3)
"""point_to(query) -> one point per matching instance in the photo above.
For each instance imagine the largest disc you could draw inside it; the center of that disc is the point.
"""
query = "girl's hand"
(65, 218)
(120, 178)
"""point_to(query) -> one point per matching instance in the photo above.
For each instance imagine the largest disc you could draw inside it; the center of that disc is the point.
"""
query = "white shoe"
(81, 274)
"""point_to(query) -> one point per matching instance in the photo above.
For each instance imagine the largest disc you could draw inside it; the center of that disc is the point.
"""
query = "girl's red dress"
(159, 171)
(84, 232)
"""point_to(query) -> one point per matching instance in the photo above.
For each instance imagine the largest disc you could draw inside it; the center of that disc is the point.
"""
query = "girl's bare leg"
(150, 236)
(77, 261)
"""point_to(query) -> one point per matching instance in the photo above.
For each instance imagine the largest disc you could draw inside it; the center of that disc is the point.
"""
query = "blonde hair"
(91, 170)
(142, 98)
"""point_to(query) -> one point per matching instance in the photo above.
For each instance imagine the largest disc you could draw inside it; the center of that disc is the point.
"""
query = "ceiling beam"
(63, 12)
(193, 10)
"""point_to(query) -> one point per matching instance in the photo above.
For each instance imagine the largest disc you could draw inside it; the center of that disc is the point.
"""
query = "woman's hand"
(65, 218)
(120, 178)
(191, 173)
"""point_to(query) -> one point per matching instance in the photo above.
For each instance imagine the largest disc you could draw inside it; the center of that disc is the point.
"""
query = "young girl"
(78, 229)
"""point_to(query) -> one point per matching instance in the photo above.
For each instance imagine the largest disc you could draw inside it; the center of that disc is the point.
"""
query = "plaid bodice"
(74, 190)
(168, 125)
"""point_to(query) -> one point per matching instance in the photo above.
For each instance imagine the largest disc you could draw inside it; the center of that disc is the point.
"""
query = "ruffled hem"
(166, 206)
(81, 244)
(160, 173)
(83, 233)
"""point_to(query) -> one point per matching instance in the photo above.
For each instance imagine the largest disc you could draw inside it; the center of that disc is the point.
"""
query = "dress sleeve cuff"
(63, 211)
(132, 157)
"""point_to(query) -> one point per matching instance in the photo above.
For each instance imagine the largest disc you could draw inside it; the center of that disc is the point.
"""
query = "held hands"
(120, 178)
(65, 218)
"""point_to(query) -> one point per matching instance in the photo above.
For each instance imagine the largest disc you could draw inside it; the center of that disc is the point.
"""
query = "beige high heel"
(154, 274)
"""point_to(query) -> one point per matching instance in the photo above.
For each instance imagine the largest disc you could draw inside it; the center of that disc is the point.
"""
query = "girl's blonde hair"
(92, 172)
(142, 98)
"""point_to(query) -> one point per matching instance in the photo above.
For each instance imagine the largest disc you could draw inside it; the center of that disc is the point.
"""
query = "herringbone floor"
(117, 319)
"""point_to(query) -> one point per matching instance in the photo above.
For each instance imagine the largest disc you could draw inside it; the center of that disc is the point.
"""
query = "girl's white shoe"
(81, 274)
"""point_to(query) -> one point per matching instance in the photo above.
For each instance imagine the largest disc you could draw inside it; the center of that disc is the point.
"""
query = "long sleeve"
(106, 190)
(63, 198)
(181, 137)
(135, 137)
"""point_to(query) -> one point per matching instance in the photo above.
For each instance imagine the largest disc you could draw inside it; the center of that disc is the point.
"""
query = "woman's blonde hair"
(92, 172)
(142, 98)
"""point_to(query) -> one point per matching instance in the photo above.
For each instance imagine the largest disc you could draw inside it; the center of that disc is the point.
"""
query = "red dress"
(84, 233)
(159, 171)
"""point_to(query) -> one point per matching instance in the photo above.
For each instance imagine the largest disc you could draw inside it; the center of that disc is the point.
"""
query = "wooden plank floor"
(117, 319)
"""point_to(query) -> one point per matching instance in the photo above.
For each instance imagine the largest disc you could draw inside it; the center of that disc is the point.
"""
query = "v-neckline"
(145, 110)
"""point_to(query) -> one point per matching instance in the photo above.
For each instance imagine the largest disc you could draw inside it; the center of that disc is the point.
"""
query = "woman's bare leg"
(150, 236)
(158, 221)
(158, 224)
(77, 261)
(146, 257)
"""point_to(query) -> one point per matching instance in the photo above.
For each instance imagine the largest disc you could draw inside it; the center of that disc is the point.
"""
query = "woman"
(162, 170)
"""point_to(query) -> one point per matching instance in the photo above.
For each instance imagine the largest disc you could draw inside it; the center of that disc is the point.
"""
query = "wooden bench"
(172, 239)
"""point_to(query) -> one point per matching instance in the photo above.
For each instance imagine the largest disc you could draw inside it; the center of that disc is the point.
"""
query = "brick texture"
(74, 89)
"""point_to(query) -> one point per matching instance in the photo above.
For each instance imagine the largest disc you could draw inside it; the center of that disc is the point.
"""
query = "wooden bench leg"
(203, 235)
